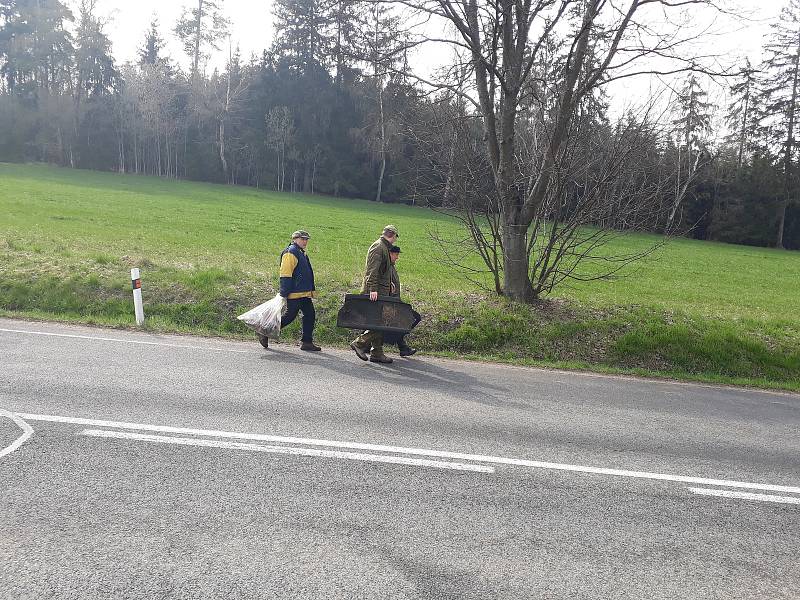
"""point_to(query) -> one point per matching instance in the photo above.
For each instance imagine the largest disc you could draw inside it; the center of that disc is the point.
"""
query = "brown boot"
(381, 358)
(360, 350)
(310, 347)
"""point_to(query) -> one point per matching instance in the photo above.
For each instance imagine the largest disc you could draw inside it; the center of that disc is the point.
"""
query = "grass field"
(693, 310)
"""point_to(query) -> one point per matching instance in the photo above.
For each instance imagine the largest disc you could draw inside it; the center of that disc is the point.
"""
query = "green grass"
(693, 310)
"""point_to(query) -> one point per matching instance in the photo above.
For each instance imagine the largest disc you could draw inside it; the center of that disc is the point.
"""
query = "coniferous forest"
(333, 106)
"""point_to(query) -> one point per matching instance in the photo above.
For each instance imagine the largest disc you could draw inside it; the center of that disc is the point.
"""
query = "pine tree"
(744, 114)
(94, 74)
(94, 65)
(151, 49)
(780, 98)
(200, 28)
(691, 128)
(694, 121)
(35, 47)
(303, 33)
(344, 25)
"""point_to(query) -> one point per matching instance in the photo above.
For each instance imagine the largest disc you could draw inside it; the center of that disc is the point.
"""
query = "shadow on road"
(414, 373)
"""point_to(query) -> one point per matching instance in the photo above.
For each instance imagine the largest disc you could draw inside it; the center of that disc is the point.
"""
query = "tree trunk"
(135, 146)
(743, 134)
(787, 159)
(196, 57)
(383, 142)
(339, 58)
(516, 275)
(222, 158)
(121, 145)
(306, 174)
(682, 188)
(448, 186)
(282, 167)
(379, 77)
(380, 179)
(314, 173)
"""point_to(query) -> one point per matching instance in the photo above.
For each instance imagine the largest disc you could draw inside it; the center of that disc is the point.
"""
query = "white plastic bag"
(265, 318)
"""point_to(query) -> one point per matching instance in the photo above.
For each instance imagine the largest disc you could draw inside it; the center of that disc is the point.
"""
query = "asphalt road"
(143, 466)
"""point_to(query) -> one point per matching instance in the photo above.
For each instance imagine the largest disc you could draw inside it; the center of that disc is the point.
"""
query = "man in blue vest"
(297, 286)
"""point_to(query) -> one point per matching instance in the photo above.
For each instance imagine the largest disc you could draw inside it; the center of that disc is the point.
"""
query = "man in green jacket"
(377, 282)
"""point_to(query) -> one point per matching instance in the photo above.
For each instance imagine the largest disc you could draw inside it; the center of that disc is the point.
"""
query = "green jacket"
(378, 272)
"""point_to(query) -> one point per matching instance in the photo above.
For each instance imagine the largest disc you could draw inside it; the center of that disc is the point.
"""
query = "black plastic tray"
(387, 313)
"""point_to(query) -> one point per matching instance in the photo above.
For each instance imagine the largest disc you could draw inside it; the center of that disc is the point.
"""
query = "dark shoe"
(383, 359)
(310, 347)
(264, 340)
(407, 351)
(360, 351)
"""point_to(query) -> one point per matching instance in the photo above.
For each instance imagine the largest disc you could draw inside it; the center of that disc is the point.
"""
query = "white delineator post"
(136, 282)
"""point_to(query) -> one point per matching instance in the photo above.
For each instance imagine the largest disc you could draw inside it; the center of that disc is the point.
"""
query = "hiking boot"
(360, 351)
(382, 358)
(264, 341)
(407, 351)
(310, 347)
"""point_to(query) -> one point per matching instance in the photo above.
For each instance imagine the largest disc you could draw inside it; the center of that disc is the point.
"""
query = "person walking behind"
(396, 338)
(377, 282)
(297, 286)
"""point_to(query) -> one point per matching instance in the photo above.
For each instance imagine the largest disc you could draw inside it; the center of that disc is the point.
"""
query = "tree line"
(513, 135)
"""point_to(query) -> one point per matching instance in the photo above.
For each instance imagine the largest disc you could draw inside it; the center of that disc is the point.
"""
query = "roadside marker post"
(136, 282)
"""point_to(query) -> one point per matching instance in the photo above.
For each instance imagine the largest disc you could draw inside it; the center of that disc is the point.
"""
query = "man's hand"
(373, 296)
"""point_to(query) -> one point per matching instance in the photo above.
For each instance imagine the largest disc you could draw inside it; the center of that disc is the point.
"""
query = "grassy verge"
(705, 312)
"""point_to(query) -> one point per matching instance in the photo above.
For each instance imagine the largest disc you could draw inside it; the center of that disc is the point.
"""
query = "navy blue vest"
(302, 280)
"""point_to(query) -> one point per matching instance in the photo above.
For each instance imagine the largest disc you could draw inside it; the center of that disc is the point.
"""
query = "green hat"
(391, 229)
(301, 234)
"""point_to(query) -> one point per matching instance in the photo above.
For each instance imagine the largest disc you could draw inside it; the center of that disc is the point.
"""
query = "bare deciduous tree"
(280, 129)
(380, 45)
(591, 42)
(611, 180)
(228, 101)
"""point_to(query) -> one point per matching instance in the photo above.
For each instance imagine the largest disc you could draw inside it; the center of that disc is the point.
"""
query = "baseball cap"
(301, 234)
(391, 229)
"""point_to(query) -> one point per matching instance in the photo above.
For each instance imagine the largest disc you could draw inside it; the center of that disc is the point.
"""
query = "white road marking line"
(142, 342)
(745, 496)
(27, 431)
(498, 460)
(294, 450)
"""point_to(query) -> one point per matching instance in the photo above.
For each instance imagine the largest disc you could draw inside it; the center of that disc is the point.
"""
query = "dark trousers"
(395, 338)
(306, 306)
(400, 340)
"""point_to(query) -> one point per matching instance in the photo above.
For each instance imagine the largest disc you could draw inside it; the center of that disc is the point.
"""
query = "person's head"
(300, 239)
(394, 253)
(390, 233)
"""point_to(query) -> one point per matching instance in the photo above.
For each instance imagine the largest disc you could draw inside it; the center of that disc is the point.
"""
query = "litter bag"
(265, 319)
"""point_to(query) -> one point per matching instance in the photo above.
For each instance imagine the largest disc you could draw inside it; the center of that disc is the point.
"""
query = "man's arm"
(288, 265)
